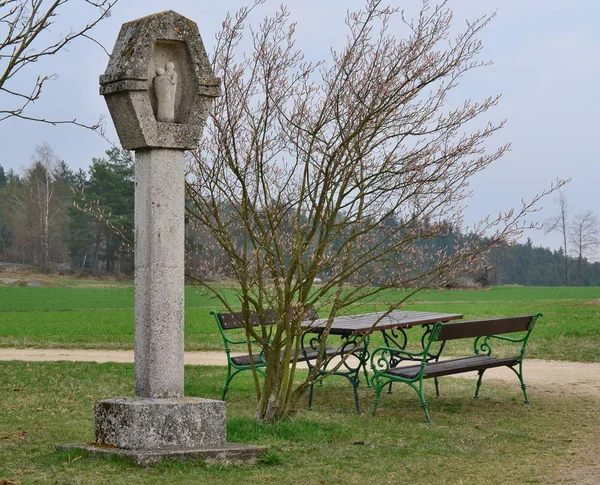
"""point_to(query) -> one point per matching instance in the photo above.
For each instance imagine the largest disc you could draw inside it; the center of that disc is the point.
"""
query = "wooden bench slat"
(453, 366)
(245, 360)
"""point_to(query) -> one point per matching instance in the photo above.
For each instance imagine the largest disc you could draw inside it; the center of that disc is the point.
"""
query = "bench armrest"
(483, 345)
(382, 358)
(232, 341)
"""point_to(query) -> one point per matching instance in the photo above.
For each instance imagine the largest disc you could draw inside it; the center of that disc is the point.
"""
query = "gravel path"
(558, 377)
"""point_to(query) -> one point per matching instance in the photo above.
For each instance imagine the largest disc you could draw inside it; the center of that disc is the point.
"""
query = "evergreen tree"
(102, 232)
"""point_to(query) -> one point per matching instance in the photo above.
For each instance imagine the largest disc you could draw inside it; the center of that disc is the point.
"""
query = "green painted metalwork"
(397, 338)
(385, 358)
(351, 345)
(485, 347)
(234, 369)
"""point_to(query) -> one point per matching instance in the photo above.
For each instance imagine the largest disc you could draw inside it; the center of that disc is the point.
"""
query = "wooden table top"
(367, 322)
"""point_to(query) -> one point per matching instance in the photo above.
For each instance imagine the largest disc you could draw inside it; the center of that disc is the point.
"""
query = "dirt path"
(558, 377)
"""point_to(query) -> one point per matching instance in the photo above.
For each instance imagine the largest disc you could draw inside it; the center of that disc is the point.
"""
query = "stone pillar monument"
(158, 87)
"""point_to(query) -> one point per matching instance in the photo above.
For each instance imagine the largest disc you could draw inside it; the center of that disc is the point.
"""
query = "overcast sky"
(546, 65)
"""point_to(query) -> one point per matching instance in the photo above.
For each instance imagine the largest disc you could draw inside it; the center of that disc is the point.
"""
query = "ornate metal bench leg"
(377, 396)
(389, 388)
(227, 381)
(421, 395)
(523, 386)
(310, 395)
(355, 387)
(522, 381)
(366, 372)
(480, 372)
(525, 396)
(424, 403)
(426, 410)
(437, 387)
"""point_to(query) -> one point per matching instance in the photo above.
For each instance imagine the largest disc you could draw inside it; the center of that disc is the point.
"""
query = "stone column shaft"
(159, 272)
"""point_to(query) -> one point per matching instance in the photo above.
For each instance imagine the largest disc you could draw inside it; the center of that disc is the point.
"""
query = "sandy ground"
(551, 376)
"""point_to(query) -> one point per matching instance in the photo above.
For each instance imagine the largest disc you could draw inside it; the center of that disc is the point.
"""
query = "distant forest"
(525, 264)
(82, 222)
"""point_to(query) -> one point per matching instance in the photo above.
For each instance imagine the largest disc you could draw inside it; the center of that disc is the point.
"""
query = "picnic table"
(354, 331)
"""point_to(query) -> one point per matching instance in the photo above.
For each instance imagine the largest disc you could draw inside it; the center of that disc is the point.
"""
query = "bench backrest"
(484, 328)
(230, 321)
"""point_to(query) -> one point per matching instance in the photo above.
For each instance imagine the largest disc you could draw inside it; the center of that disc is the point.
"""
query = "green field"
(496, 439)
(98, 316)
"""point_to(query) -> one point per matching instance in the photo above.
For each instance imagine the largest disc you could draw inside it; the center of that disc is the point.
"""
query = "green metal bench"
(228, 323)
(386, 362)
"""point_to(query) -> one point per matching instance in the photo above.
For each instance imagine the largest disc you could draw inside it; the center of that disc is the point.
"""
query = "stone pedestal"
(147, 431)
(152, 424)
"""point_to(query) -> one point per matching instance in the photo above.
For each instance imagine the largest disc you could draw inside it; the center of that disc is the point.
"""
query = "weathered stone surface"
(143, 48)
(226, 454)
(154, 424)
(159, 273)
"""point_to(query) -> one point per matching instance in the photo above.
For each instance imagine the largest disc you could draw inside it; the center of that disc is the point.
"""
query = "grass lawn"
(98, 316)
(496, 439)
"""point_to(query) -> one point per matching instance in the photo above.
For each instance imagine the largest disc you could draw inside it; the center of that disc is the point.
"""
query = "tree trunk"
(566, 257)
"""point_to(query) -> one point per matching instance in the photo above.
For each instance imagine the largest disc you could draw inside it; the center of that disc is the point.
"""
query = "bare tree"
(25, 38)
(560, 223)
(37, 210)
(584, 234)
(342, 171)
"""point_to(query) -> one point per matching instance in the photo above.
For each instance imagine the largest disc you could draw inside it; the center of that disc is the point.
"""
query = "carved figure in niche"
(165, 85)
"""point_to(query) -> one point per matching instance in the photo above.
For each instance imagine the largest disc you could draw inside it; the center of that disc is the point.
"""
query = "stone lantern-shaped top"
(159, 83)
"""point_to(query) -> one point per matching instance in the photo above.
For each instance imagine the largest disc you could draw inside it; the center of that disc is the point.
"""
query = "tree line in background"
(61, 220)
(45, 219)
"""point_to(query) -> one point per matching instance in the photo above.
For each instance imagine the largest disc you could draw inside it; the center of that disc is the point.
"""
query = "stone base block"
(147, 431)
(156, 424)
(226, 454)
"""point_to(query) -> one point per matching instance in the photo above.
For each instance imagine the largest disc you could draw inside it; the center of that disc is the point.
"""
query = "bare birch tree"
(584, 234)
(37, 210)
(560, 223)
(340, 171)
(26, 38)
